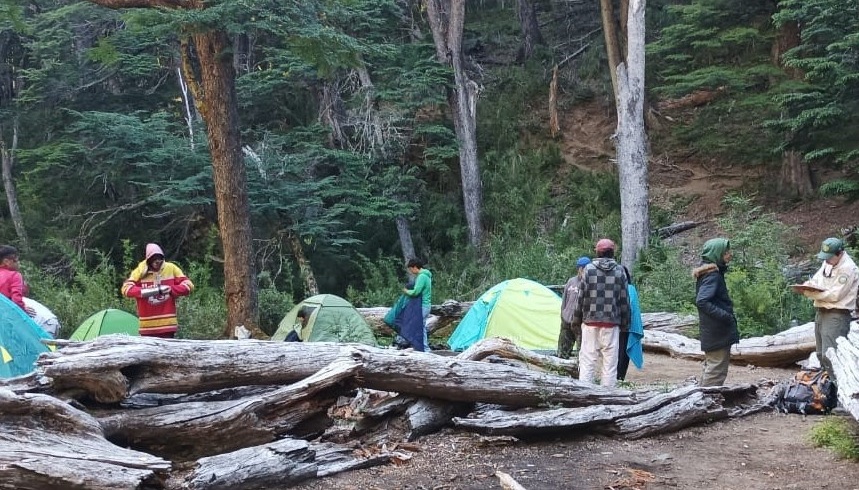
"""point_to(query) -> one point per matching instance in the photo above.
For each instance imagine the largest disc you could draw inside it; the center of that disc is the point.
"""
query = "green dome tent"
(106, 322)
(330, 319)
(521, 310)
(20, 340)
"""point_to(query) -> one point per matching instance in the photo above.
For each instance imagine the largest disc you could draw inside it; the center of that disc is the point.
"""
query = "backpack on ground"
(810, 392)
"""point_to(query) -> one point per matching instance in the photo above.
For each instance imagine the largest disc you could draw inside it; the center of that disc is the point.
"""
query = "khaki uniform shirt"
(839, 282)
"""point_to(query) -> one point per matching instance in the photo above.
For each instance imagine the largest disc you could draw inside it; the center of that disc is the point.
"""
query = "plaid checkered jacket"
(603, 295)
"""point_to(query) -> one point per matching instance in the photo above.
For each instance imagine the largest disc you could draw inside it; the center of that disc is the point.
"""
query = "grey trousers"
(828, 326)
(716, 364)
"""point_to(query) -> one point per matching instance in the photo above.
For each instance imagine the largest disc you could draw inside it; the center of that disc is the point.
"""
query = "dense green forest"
(351, 158)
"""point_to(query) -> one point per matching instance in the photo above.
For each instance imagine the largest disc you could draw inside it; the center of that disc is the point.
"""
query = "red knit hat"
(605, 244)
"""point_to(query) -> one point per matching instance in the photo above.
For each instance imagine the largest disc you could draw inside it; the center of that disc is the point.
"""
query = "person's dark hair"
(413, 262)
(605, 254)
(305, 312)
(7, 251)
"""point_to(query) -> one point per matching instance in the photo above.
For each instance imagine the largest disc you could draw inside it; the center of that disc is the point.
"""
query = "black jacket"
(717, 323)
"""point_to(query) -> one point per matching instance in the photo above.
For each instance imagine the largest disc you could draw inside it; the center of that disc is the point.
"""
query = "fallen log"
(676, 228)
(195, 429)
(661, 413)
(845, 365)
(669, 322)
(779, 350)
(47, 444)
(113, 367)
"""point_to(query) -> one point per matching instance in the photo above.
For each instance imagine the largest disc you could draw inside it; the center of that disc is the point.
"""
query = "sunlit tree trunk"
(447, 19)
(632, 141)
(612, 44)
(405, 233)
(8, 164)
(212, 82)
(310, 285)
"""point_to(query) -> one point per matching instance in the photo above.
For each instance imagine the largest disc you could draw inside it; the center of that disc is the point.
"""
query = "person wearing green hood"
(422, 288)
(716, 320)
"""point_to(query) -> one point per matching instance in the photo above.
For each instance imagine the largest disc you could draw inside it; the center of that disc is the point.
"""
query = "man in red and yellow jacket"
(156, 284)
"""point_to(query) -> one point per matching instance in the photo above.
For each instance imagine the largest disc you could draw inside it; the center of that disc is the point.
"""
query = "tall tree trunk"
(531, 36)
(8, 164)
(310, 285)
(405, 233)
(447, 19)
(632, 141)
(612, 45)
(218, 105)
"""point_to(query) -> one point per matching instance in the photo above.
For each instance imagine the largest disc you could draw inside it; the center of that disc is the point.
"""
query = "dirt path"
(761, 452)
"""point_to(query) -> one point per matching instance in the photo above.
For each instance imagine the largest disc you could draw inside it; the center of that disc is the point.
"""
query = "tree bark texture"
(311, 287)
(632, 142)
(612, 45)
(189, 366)
(404, 231)
(8, 166)
(845, 364)
(447, 19)
(795, 178)
(531, 37)
(48, 445)
(219, 107)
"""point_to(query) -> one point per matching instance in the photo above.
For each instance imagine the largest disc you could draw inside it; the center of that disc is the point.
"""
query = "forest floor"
(766, 451)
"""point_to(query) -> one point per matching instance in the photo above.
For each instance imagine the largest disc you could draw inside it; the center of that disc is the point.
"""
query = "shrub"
(837, 434)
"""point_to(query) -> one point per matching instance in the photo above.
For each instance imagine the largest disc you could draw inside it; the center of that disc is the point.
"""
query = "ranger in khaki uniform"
(836, 284)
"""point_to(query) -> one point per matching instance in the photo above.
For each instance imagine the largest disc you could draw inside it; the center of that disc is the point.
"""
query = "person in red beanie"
(602, 310)
(156, 284)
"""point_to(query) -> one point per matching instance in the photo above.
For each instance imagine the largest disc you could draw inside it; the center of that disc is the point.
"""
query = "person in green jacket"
(422, 288)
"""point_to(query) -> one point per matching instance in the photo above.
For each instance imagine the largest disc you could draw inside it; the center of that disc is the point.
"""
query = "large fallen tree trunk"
(662, 413)
(204, 428)
(46, 444)
(113, 367)
(782, 349)
(845, 364)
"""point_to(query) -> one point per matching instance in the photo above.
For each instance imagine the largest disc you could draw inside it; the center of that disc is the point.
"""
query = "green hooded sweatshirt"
(714, 250)
(423, 288)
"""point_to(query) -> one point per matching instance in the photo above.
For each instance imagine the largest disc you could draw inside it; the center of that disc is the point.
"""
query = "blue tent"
(20, 340)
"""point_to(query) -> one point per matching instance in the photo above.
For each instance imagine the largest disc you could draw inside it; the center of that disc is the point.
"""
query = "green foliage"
(841, 187)
(664, 282)
(837, 434)
(383, 280)
(821, 113)
(722, 47)
(762, 300)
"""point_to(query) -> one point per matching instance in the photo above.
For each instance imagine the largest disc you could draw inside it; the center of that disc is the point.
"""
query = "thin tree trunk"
(405, 234)
(186, 103)
(8, 163)
(531, 36)
(554, 118)
(632, 142)
(310, 284)
(612, 47)
(446, 19)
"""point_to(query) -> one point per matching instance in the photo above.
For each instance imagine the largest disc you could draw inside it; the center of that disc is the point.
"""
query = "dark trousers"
(622, 356)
